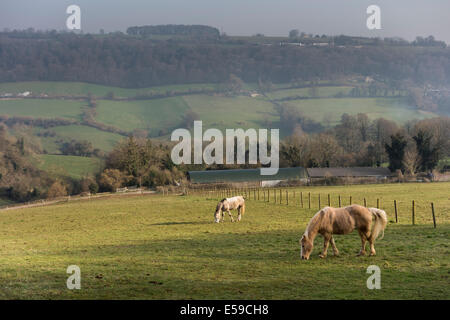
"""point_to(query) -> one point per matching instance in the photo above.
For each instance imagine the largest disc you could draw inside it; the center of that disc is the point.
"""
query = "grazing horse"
(228, 204)
(329, 221)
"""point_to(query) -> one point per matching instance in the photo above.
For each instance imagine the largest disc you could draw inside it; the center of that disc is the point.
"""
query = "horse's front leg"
(333, 245)
(326, 241)
(231, 216)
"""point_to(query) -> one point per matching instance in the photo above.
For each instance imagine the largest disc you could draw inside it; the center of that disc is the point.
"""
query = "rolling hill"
(122, 113)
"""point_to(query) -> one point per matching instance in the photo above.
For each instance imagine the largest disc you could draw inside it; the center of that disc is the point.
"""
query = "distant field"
(80, 88)
(100, 139)
(167, 247)
(395, 109)
(151, 115)
(322, 92)
(40, 108)
(232, 112)
(70, 166)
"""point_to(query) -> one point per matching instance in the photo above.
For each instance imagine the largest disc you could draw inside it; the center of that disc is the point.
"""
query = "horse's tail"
(243, 208)
(380, 222)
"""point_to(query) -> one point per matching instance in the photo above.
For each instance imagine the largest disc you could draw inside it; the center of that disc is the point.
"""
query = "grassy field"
(152, 115)
(322, 92)
(166, 247)
(39, 108)
(232, 112)
(70, 166)
(395, 109)
(83, 89)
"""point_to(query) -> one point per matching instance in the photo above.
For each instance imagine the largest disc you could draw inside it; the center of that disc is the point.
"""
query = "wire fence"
(402, 211)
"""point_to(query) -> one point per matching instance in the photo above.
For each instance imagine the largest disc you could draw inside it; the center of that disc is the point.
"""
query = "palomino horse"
(329, 221)
(228, 204)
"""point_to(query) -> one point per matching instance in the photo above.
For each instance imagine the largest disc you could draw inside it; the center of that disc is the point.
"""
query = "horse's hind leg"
(333, 245)
(326, 241)
(372, 247)
(362, 252)
(239, 214)
(231, 216)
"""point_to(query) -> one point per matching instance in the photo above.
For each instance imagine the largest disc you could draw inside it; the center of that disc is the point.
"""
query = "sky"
(402, 18)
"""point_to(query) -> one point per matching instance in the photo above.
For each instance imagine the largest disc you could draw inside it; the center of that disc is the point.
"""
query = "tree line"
(136, 62)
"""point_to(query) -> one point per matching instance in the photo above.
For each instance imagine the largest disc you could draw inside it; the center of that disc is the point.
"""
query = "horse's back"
(361, 215)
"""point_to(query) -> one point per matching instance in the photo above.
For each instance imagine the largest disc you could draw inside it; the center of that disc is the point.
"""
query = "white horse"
(228, 204)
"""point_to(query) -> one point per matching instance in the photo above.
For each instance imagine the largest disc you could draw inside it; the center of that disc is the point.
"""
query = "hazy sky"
(404, 18)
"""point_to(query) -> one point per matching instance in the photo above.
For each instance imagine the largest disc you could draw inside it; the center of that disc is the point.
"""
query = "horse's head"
(218, 211)
(306, 246)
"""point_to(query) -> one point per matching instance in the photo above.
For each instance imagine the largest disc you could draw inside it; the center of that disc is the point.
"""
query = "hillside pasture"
(331, 109)
(233, 112)
(69, 166)
(151, 115)
(83, 89)
(42, 108)
(167, 247)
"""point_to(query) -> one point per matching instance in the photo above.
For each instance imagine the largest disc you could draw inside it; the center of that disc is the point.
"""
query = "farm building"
(247, 175)
(350, 172)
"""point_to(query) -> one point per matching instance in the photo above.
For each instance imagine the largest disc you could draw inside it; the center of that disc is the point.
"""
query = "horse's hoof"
(372, 254)
(361, 254)
(322, 256)
(336, 254)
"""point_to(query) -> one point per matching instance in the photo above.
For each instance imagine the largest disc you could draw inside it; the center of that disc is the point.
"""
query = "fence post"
(258, 194)
(365, 202)
(413, 212)
(339, 197)
(281, 196)
(319, 201)
(350, 201)
(287, 197)
(329, 200)
(432, 212)
(378, 203)
(309, 200)
(301, 198)
(395, 209)
(275, 196)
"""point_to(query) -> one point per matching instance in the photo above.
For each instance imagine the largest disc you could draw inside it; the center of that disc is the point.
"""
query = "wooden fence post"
(309, 200)
(319, 201)
(432, 212)
(281, 196)
(275, 196)
(339, 197)
(301, 198)
(329, 200)
(287, 197)
(413, 212)
(378, 203)
(350, 201)
(365, 202)
(395, 209)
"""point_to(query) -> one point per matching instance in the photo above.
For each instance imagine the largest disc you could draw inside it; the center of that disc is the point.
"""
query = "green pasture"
(321, 92)
(167, 247)
(233, 112)
(69, 166)
(331, 109)
(151, 115)
(42, 108)
(83, 89)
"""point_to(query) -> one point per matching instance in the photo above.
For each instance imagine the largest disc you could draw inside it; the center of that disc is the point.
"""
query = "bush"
(57, 189)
